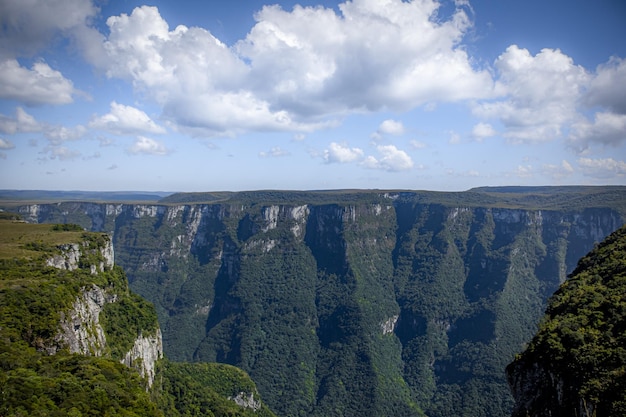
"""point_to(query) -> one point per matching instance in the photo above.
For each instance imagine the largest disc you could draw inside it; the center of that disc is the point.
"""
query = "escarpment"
(355, 303)
(576, 363)
(80, 329)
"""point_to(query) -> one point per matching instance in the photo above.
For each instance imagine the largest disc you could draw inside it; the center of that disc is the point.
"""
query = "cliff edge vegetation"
(75, 341)
(576, 364)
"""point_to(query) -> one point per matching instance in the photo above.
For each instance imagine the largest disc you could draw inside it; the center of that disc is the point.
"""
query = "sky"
(126, 95)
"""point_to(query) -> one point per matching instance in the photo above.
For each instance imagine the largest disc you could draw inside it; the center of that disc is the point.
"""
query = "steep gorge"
(384, 305)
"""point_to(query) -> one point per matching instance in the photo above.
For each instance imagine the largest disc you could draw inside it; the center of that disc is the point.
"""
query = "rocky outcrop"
(246, 400)
(80, 330)
(71, 253)
(146, 351)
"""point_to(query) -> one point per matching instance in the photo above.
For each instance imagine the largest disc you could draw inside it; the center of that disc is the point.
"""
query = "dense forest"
(355, 302)
(576, 363)
(41, 376)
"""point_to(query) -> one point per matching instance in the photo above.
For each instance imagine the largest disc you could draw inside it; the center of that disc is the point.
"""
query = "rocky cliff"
(80, 329)
(576, 363)
(74, 340)
(355, 304)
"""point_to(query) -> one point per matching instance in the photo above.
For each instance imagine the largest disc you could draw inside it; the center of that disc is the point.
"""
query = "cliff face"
(576, 363)
(80, 329)
(353, 309)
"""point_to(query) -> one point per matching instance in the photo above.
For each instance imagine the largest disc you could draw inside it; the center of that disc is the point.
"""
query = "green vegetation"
(35, 384)
(125, 320)
(207, 389)
(581, 341)
(33, 300)
(530, 198)
(355, 302)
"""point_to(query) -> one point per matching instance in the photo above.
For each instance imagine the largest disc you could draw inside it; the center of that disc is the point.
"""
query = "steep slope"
(63, 349)
(576, 364)
(75, 341)
(355, 303)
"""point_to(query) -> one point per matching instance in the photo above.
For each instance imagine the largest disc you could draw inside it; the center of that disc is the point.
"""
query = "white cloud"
(341, 153)
(296, 70)
(606, 129)
(390, 159)
(6, 144)
(39, 85)
(558, 172)
(454, 139)
(28, 26)
(608, 86)
(416, 144)
(61, 153)
(483, 131)
(125, 120)
(21, 123)
(276, 151)
(147, 146)
(391, 127)
(59, 134)
(602, 168)
(524, 171)
(539, 94)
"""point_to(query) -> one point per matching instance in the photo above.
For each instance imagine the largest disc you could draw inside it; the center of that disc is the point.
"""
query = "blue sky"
(222, 95)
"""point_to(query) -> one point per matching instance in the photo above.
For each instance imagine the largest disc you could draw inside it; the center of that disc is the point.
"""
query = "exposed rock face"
(69, 258)
(146, 351)
(436, 298)
(246, 400)
(80, 330)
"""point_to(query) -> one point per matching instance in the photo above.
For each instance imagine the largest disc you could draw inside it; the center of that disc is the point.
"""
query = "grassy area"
(22, 240)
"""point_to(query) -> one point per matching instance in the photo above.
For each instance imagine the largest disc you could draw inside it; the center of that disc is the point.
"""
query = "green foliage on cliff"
(356, 302)
(34, 298)
(125, 320)
(207, 389)
(581, 341)
(35, 384)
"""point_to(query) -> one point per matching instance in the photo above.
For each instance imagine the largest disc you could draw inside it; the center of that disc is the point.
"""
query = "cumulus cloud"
(608, 86)
(147, 146)
(125, 120)
(483, 131)
(39, 85)
(388, 127)
(606, 129)
(21, 123)
(539, 94)
(390, 159)
(602, 168)
(276, 151)
(6, 144)
(296, 70)
(341, 153)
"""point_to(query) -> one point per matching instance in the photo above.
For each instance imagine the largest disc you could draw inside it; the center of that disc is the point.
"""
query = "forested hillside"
(74, 341)
(576, 364)
(355, 303)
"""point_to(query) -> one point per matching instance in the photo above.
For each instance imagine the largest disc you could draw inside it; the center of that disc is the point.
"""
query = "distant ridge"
(534, 198)
(53, 196)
